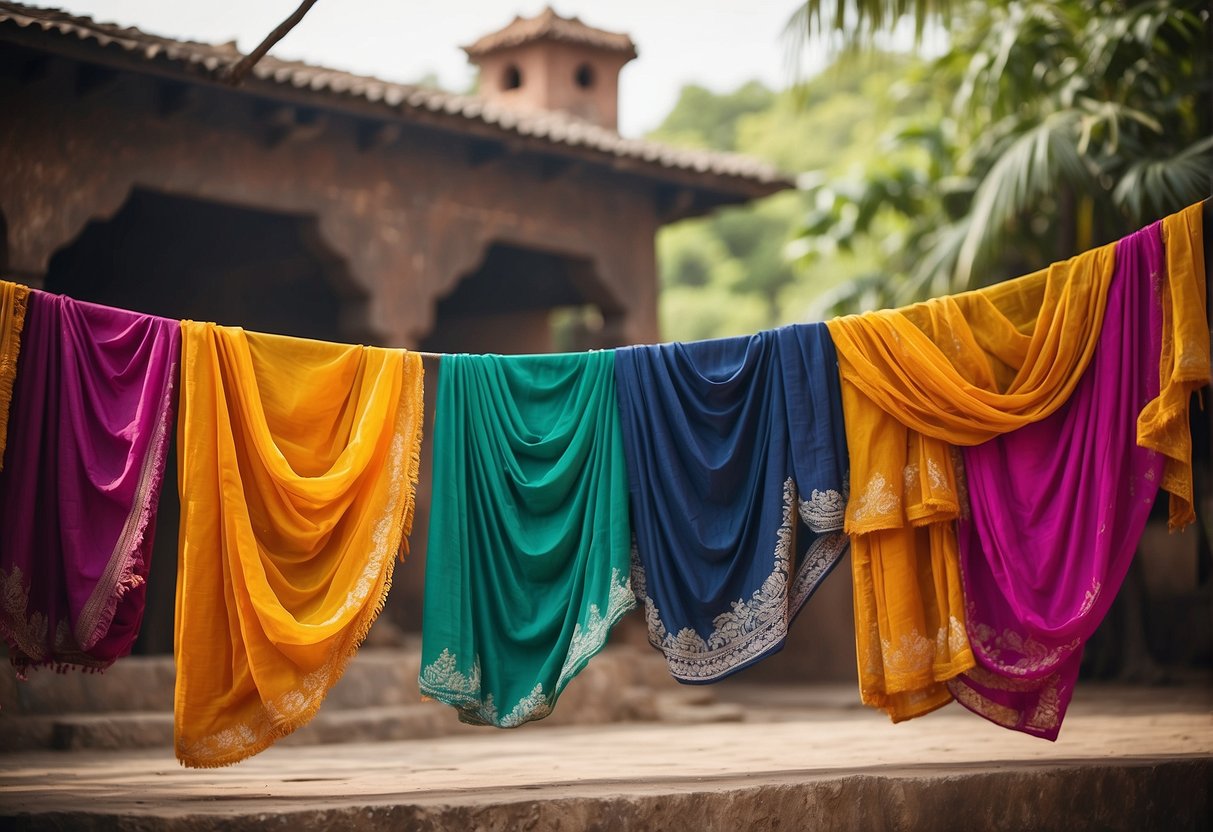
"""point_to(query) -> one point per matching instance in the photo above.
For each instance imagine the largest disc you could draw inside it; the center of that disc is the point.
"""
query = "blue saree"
(727, 442)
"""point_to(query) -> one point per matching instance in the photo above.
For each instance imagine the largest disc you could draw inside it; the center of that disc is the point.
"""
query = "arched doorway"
(188, 258)
(526, 300)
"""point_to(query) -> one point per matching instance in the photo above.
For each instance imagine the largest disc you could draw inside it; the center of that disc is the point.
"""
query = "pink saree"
(1057, 509)
(91, 414)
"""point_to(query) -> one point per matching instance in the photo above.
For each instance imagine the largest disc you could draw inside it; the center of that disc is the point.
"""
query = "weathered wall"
(409, 218)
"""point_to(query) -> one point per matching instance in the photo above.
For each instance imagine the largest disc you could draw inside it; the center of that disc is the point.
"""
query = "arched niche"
(522, 299)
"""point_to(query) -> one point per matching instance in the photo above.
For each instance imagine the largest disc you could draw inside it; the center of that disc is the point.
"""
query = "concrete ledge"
(1124, 795)
(1128, 758)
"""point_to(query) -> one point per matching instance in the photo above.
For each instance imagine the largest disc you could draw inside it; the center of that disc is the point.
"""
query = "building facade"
(311, 202)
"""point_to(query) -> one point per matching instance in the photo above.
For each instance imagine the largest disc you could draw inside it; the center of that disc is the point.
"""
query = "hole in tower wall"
(584, 76)
(511, 78)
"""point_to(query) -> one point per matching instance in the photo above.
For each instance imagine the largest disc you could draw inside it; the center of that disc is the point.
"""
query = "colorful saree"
(960, 370)
(14, 299)
(529, 545)
(727, 442)
(298, 468)
(91, 414)
(1184, 363)
(1057, 508)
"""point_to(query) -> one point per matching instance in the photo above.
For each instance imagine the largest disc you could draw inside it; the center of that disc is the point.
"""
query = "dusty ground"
(1128, 756)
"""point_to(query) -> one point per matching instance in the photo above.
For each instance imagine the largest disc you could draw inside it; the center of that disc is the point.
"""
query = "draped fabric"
(727, 442)
(529, 545)
(959, 369)
(91, 415)
(1184, 361)
(1057, 508)
(298, 468)
(13, 302)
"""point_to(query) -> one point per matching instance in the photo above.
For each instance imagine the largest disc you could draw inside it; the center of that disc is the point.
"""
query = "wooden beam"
(556, 167)
(92, 79)
(173, 99)
(376, 135)
(481, 153)
(674, 203)
(285, 123)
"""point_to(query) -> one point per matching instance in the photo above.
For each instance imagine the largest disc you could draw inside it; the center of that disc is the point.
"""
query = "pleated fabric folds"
(961, 370)
(1057, 509)
(1184, 360)
(737, 466)
(298, 469)
(527, 565)
(91, 415)
(14, 299)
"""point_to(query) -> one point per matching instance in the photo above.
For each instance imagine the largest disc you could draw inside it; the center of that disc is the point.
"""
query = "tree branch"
(246, 64)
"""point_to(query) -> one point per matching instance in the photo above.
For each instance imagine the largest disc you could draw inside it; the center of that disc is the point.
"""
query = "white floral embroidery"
(442, 679)
(824, 511)
(936, 476)
(877, 500)
(750, 627)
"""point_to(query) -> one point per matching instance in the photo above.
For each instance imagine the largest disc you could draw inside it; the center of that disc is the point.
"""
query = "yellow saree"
(1184, 366)
(298, 467)
(954, 370)
(14, 299)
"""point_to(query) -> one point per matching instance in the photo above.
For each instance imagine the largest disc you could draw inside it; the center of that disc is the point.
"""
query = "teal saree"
(527, 567)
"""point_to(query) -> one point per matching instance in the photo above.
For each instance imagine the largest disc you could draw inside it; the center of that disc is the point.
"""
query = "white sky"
(717, 43)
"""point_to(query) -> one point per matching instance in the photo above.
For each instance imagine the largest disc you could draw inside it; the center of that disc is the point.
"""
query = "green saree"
(528, 562)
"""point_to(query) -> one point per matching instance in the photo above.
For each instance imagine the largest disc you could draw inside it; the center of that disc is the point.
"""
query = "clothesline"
(425, 354)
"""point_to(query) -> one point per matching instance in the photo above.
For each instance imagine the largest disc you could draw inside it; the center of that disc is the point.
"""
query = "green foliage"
(1067, 124)
(731, 273)
(704, 119)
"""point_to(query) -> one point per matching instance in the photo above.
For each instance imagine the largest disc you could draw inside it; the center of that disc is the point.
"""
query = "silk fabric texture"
(91, 416)
(13, 303)
(960, 369)
(1057, 509)
(298, 468)
(728, 443)
(529, 545)
(1184, 361)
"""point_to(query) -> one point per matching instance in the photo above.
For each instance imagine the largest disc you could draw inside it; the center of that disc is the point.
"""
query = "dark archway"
(208, 261)
(524, 300)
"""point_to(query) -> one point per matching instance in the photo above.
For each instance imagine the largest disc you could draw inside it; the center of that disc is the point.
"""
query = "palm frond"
(1042, 159)
(1151, 188)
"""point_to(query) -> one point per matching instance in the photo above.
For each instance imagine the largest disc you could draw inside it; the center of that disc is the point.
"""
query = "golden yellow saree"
(954, 370)
(298, 466)
(1184, 365)
(14, 300)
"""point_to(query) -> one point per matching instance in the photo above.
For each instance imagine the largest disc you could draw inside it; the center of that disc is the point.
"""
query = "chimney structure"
(553, 63)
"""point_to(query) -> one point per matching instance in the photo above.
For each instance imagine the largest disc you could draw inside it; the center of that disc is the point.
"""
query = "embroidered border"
(755, 626)
(442, 679)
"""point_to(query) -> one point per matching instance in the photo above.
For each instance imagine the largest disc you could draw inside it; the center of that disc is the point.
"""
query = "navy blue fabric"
(727, 443)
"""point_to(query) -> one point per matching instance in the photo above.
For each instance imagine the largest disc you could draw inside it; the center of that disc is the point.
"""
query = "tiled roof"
(547, 25)
(713, 170)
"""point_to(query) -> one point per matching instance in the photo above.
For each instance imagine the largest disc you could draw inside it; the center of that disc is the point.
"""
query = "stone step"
(375, 677)
(154, 729)
(376, 700)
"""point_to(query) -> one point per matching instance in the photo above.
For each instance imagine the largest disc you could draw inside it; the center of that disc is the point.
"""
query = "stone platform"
(804, 758)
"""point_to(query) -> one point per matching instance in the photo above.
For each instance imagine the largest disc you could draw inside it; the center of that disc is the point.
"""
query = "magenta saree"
(88, 432)
(1057, 509)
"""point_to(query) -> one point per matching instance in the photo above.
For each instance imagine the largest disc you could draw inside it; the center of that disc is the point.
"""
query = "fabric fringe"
(10, 351)
(128, 578)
